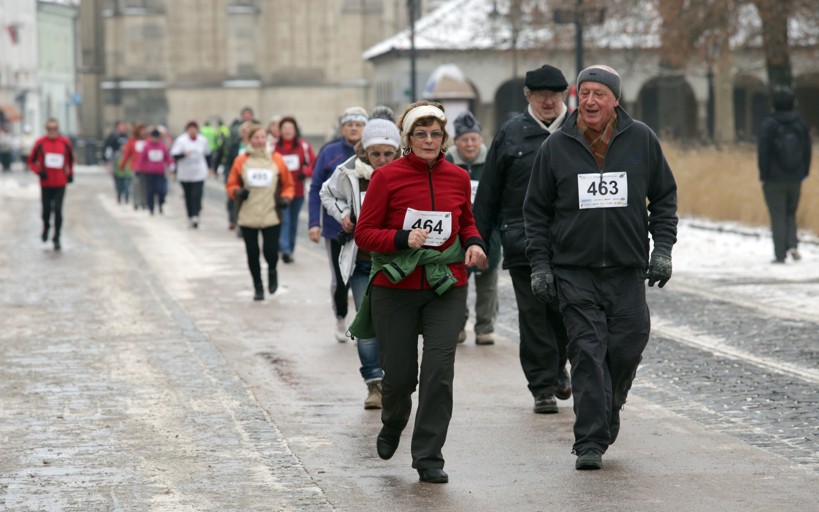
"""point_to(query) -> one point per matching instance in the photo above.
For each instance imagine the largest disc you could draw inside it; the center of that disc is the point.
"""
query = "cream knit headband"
(416, 114)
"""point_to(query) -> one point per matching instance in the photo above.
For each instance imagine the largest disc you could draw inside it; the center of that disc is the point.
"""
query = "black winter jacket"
(499, 201)
(559, 233)
(770, 169)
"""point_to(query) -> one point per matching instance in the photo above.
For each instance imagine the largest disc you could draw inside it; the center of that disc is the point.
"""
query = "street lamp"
(412, 6)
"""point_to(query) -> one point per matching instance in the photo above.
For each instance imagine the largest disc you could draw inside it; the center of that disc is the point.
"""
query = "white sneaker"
(795, 254)
(341, 331)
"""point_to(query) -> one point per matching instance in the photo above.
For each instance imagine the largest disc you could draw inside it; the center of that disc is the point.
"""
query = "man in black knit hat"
(600, 185)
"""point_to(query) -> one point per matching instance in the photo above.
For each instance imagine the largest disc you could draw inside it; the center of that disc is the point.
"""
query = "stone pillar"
(91, 68)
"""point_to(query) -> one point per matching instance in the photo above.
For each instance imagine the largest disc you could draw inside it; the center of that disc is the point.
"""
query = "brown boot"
(373, 400)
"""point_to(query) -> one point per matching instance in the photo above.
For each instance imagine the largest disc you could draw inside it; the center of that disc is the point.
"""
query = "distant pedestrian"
(469, 153)
(262, 186)
(112, 155)
(299, 157)
(322, 224)
(784, 154)
(417, 224)
(499, 208)
(235, 148)
(6, 148)
(600, 187)
(52, 159)
(155, 161)
(130, 163)
(342, 197)
(190, 150)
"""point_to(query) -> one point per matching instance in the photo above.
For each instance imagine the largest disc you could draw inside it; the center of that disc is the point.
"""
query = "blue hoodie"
(331, 156)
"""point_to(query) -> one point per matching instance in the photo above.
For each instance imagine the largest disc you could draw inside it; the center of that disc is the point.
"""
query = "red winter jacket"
(409, 182)
(56, 156)
(304, 166)
(133, 148)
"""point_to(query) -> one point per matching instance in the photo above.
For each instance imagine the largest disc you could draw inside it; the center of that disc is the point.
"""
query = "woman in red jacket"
(419, 204)
(52, 158)
(299, 157)
(155, 160)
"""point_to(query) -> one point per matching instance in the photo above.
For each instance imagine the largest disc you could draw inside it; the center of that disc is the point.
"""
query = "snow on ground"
(730, 261)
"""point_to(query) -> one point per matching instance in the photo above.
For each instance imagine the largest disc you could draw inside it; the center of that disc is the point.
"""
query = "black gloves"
(43, 175)
(282, 203)
(302, 176)
(659, 267)
(71, 178)
(241, 193)
(543, 284)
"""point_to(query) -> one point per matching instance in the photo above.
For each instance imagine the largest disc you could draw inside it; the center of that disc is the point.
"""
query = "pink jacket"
(155, 158)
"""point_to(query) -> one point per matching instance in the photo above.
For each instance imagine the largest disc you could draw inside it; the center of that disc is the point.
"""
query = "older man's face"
(597, 104)
(469, 145)
(546, 105)
(351, 131)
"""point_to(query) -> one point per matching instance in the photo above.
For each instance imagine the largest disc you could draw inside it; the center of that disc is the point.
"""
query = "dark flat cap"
(546, 77)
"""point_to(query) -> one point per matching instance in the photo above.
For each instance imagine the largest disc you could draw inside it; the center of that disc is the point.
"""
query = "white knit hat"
(353, 114)
(380, 131)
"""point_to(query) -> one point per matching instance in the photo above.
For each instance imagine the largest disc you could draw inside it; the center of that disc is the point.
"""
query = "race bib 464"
(439, 225)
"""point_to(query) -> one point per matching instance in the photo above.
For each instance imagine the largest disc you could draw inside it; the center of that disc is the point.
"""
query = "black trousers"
(543, 337)
(270, 248)
(156, 186)
(340, 291)
(398, 317)
(783, 201)
(193, 197)
(608, 322)
(52, 199)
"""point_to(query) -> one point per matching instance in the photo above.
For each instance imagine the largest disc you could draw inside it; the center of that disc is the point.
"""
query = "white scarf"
(555, 124)
(360, 170)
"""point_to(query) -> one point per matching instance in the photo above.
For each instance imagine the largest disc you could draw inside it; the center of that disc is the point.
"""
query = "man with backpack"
(784, 154)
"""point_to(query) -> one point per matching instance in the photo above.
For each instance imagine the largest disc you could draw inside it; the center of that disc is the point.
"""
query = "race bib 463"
(602, 190)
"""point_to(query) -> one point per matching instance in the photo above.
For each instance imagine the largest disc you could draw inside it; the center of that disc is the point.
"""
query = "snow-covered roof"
(475, 25)
(462, 25)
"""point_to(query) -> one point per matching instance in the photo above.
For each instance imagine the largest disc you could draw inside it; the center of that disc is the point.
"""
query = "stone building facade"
(169, 61)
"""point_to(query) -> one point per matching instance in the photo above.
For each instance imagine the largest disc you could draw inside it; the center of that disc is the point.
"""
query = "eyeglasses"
(543, 95)
(377, 154)
(437, 135)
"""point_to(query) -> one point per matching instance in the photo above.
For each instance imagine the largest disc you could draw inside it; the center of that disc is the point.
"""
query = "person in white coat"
(342, 195)
(190, 150)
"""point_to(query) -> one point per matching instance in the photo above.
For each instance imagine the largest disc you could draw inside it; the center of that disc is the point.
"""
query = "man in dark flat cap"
(499, 207)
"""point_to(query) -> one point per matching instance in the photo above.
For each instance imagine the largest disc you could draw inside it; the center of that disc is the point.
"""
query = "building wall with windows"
(57, 64)
(170, 61)
(19, 91)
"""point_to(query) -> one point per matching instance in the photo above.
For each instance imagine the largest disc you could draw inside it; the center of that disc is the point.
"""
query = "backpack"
(789, 145)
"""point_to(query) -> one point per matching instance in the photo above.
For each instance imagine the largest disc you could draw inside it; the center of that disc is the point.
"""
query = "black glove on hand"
(71, 178)
(302, 176)
(43, 175)
(282, 203)
(659, 267)
(241, 193)
(543, 284)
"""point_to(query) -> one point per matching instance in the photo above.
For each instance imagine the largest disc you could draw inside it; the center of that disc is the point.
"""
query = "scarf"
(555, 124)
(598, 141)
(361, 170)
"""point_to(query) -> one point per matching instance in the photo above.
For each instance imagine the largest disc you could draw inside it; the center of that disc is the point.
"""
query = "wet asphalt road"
(138, 375)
